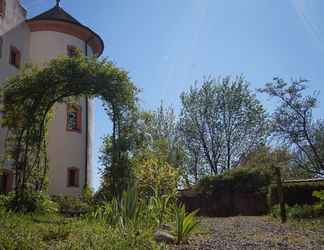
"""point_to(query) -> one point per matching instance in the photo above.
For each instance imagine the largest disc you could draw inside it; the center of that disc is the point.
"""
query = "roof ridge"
(56, 13)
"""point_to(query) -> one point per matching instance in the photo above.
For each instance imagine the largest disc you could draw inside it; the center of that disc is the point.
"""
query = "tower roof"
(57, 19)
(56, 13)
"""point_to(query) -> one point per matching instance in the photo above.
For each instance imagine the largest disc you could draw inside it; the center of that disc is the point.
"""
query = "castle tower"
(38, 40)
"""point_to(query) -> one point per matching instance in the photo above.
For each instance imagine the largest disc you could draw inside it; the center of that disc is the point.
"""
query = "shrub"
(295, 193)
(119, 211)
(29, 202)
(159, 206)
(70, 205)
(297, 211)
(87, 195)
(319, 195)
(236, 180)
(185, 223)
(153, 173)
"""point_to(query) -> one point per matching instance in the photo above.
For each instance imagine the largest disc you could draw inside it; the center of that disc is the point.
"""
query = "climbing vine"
(28, 100)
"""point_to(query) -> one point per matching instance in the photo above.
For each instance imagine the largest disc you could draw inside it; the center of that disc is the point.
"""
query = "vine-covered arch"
(28, 98)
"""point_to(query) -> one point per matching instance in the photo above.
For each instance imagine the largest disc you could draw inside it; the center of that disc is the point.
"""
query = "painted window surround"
(73, 176)
(2, 8)
(14, 57)
(74, 109)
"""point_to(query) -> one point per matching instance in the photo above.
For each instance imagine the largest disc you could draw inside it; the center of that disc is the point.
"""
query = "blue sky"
(168, 44)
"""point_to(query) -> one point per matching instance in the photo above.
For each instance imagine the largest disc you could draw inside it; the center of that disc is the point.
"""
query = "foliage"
(185, 223)
(32, 202)
(87, 195)
(265, 158)
(299, 193)
(152, 142)
(122, 211)
(293, 123)
(240, 180)
(159, 205)
(37, 232)
(70, 205)
(224, 120)
(117, 171)
(153, 174)
(320, 196)
(297, 211)
(29, 97)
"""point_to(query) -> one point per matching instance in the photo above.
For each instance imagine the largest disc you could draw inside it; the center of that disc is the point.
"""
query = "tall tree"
(224, 119)
(293, 123)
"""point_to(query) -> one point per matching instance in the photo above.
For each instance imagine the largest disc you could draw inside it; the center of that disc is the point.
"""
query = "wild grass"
(21, 231)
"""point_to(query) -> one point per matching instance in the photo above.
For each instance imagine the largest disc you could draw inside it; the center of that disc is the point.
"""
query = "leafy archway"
(28, 99)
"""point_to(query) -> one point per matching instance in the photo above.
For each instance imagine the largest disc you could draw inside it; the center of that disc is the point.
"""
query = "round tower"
(52, 34)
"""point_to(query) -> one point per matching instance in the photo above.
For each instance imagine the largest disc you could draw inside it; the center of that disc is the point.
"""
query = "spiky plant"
(184, 224)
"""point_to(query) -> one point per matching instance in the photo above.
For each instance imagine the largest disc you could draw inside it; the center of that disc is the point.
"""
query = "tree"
(265, 157)
(224, 119)
(152, 144)
(293, 123)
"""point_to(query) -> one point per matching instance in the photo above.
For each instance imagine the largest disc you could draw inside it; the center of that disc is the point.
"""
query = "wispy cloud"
(305, 10)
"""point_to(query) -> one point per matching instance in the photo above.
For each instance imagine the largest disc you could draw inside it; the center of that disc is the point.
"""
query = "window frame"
(76, 175)
(17, 57)
(2, 8)
(7, 178)
(77, 110)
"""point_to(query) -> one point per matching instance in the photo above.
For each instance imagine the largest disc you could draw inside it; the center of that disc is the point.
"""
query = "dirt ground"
(256, 233)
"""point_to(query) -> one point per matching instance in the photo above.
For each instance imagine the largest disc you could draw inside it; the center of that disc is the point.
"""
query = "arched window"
(73, 119)
(73, 177)
(2, 8)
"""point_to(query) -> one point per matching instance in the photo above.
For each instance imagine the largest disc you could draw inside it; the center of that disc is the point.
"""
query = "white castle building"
(37, 40)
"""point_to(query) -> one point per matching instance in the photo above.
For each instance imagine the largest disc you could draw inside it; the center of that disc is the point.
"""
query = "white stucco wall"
(14, 15)
(13, 32)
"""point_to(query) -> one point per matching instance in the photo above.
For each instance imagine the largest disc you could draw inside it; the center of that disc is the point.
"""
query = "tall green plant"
(185, 223)
(159, 205)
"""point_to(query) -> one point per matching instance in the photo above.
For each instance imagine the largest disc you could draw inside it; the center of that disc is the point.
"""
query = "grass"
(18, 231)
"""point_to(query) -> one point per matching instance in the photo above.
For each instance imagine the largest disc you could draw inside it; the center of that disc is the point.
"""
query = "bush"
(70, 205)
(319, 195)
(185, 223)
(295, 193)
(236, 180)
(88, 195)
(297, 211)
(238, 191)
(29, 202)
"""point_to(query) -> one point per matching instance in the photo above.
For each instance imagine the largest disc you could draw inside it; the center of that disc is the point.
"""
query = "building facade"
(38, 40)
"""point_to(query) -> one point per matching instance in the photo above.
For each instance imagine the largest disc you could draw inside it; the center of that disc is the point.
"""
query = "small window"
(73, 177)
(15, 57)
(72, 51)
(73, 117)
(2, 8)
(5, 181)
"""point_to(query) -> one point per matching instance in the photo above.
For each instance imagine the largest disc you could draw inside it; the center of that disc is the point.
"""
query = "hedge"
(245, 191)
(298, 193)
(240, 191)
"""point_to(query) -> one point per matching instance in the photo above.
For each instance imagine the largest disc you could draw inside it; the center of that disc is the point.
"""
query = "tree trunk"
(283, 216)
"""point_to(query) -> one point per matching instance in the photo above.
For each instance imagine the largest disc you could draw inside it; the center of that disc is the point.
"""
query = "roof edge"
(102, 45)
